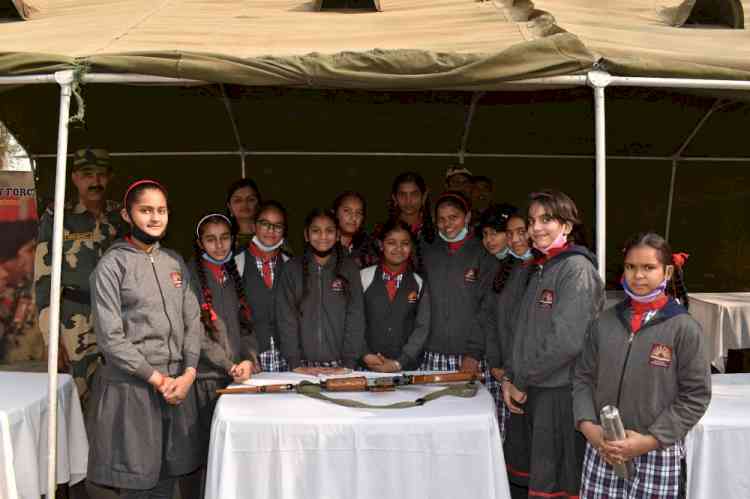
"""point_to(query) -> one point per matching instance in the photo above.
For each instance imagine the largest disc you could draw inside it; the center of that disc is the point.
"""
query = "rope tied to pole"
(80, 68)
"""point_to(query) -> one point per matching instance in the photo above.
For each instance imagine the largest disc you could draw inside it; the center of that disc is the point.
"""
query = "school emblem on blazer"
(471, 275)
(546, 298)
(412, 297)
(337, 285)
(660, 356)
(176, 279)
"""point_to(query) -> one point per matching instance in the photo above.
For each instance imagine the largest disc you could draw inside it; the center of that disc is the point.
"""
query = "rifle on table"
(466, 389)
(363, 383)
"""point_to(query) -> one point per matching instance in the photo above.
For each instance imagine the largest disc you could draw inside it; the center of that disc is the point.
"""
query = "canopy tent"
(415, 65)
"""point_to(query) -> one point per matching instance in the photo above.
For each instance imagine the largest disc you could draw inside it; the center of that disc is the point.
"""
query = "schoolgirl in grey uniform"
(644, 356)
(265, 258)
(148, 328)
(459, 274)
(397, 304)
(228, 347)
(319, 307)
(553, 301)
(492, 227)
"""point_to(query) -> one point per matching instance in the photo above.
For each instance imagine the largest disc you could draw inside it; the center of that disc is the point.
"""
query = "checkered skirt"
(434, 361)
(271, 360)
(658, 475)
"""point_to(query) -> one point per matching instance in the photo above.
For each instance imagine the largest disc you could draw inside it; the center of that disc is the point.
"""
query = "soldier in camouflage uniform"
(90, 225)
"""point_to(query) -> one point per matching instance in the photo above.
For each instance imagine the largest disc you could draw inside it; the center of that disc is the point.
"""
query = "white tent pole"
(552, 81)
(599, 81)
(137, 154)
(64, 79)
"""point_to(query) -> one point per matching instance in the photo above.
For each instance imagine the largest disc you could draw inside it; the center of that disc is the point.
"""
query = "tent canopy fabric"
(410, 44)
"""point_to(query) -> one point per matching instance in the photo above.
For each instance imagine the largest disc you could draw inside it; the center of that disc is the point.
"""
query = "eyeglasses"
(266, 225)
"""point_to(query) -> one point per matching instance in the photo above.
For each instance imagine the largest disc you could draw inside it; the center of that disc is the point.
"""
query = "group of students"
(502, 293)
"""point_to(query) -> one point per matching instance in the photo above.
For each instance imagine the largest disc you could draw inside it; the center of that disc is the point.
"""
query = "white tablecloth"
(718, 447)
(725, 318)
(23, 434)
(291, 446)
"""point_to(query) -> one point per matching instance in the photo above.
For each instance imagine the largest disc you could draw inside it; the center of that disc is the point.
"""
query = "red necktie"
(265, 258)
(640, 310)
(391, 280)
(216, 269)
(454, 247)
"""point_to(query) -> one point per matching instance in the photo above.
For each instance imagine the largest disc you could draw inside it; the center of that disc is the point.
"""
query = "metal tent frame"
(597, 80)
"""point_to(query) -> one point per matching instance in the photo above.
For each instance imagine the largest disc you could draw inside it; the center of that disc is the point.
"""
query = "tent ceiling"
(411, 44)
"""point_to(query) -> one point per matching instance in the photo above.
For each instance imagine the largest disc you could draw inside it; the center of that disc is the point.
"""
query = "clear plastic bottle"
(614, 430)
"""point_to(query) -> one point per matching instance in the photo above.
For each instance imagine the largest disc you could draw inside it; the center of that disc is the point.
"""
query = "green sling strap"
(314, 390)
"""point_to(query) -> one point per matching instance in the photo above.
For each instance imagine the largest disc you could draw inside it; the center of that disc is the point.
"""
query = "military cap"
(90, 157)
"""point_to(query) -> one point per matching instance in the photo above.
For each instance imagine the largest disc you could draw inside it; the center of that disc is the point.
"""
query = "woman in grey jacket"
(645, 357)
(555, 298)
(319, 306)
(148, 328)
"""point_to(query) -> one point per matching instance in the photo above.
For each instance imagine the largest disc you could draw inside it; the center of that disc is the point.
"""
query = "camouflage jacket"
(85, 239)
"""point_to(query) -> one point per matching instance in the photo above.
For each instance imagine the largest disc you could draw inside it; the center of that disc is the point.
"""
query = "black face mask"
(141, 236)
(322, 254)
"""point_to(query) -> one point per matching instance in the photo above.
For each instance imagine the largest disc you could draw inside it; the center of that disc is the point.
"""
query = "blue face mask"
(459, 237)
(503, 253)
(208, 258)
(525, 257)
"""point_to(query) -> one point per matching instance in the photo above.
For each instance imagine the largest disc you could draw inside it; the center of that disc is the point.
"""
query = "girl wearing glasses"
(266, 258)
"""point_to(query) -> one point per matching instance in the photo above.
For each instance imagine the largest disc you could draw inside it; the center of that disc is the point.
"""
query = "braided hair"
(676, 285)
(208, 316)
(308, 252)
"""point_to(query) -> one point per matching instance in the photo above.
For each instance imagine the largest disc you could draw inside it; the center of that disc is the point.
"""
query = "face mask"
(213, 260)
(322, 254)
(459, 237)
(503, 253)
(653, 295)
(267, 249)
(141, 236)
(559, 242)
(525, 257)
